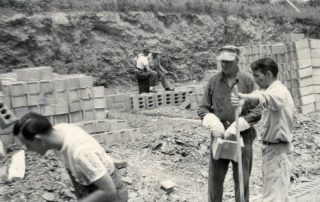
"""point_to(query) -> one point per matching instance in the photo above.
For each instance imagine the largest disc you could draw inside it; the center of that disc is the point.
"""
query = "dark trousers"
(143, 78)
(153, 79)
(82, 191)
(218, 170)
(162, 78)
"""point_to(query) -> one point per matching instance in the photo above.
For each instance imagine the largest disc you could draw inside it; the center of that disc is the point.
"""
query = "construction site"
(78, 68)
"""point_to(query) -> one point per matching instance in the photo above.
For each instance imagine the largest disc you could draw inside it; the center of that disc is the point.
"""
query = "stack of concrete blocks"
(118, 101)
(159, 99)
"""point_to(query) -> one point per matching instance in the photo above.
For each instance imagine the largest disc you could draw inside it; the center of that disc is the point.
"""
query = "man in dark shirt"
(216, 100)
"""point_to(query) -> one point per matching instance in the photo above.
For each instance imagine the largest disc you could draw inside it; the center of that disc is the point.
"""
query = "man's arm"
(206, 102)
(254, 114)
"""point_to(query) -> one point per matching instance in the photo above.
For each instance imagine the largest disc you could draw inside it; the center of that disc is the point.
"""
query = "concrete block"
(7, 130)
(88, 115)
(46, 86)
(150, 100)
(277, 49)
(110, 137)
(316, 62)
(304, 100)
(282, 67)
(168, 97)
(32, 87)
(61, 108)
(109, 99)
(73, 95)
(79, 124)
(61, 118)
(28, 74)
(17, 167)
(315, 71)
(46, 73)
(99, 103)
(122, 124)
(130, 135)
(47, 110)
(299, 92)
(87, 104)
(75, 105)
(6, 88)
(168, 184)
(72, 83)
(315, 53)
(6, 116)
(302, 44)
(305, 72)
(119, 98)
(19, 101)
(7, 139)
(315, 43)
(138, 102)
(303, 63)
(18, 88)
(306, 109)
(225, 149)
(317, 105)
(35, 109)
(316, 88)
(136, 133)
(46, 98)
(86, 93)
(302, 82)
(20, 112)
(317, 97)
(89, 126)
(123, 136)
(61, 96)
(159, 100)
(59, 84)
(112, 125)
(75, 116)
(101, 126)
(98, 137)
(85, 81)
(177, 98)
(100, 113)
(316, 79)
(7, 101)
(98, 91)
(301, 54)
(33, 99)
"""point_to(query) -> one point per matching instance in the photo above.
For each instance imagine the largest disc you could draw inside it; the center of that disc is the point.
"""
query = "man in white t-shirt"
(91, 170)
(143, 72)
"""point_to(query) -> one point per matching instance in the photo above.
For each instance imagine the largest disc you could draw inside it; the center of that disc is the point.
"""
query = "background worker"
(154, 64)
(91, 170)
(216, 100)
(276, 128)
(147, 78)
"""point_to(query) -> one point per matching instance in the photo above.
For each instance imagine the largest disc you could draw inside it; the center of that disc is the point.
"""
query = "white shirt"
(277, 114)
(142, 61)
(83, 155)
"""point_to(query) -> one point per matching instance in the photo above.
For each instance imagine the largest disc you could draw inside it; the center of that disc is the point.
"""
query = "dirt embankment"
(104, 44)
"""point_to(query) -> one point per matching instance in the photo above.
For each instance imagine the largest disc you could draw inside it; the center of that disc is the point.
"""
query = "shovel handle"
(235, 90)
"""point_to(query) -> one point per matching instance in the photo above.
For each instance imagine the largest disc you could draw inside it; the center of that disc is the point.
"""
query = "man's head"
(265, 71)
(146, 51)
(155, 52)
(31, 130)
(229, 57)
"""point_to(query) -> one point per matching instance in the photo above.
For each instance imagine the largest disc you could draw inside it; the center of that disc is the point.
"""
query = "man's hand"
(216, 134)
(237, 101)
(229, 136)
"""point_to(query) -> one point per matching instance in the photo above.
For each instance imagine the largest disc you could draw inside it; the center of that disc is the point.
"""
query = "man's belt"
(273, 143)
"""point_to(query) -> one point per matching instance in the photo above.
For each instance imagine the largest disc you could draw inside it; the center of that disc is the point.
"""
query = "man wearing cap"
(147, 78)
(154, 63)
(216, 103)
(276, 129)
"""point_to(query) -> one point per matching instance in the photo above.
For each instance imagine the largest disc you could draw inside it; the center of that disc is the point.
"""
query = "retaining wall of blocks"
(61, 99)
(299, 68)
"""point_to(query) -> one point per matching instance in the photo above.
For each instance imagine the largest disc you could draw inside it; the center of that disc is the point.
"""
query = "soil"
(174, 146)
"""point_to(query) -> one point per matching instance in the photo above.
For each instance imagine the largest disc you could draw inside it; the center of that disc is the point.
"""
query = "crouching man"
(91, 170)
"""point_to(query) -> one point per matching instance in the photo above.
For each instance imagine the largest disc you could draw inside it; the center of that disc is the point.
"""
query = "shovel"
(239, 149)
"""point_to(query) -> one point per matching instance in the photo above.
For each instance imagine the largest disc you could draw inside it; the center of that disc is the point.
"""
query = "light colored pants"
(277, 164)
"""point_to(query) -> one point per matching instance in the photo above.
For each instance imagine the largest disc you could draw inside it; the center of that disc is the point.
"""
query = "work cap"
(228, 53)
(146, 50)
(155, 51)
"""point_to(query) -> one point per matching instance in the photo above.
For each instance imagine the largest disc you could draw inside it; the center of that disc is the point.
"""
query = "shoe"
(153, 91)
(169, 89)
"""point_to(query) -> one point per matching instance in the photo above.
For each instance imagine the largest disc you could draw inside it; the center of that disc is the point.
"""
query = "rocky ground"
(174, 146)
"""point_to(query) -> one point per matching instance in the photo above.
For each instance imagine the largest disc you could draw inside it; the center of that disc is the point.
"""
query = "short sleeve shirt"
(142, 61)
(83, 155)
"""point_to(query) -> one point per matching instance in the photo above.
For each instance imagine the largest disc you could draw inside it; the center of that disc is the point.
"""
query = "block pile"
(299, 69)
(63, 99)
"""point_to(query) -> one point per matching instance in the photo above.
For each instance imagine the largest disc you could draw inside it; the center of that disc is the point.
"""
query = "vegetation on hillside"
(255, 8)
